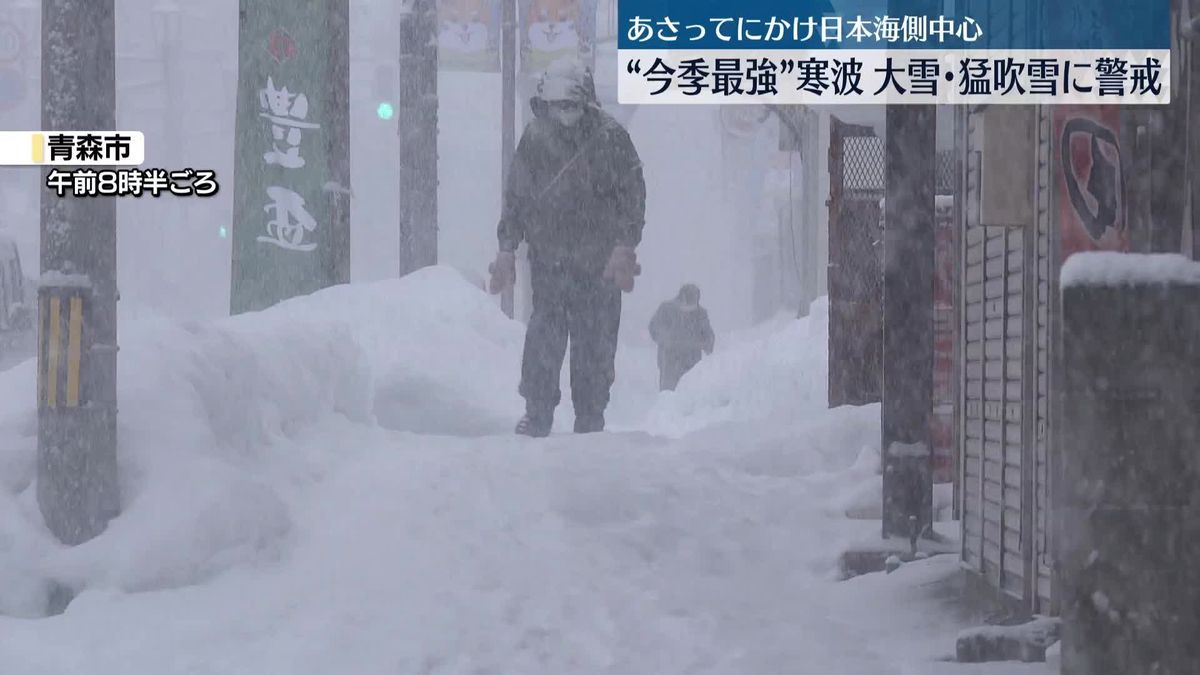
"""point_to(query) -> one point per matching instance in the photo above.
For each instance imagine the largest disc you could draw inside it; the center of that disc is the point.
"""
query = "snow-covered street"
(331, 486)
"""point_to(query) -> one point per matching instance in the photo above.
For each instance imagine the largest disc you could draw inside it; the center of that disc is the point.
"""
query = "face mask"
(688, 307)
(568, 117)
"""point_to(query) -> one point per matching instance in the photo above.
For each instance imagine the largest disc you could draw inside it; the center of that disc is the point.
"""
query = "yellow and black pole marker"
(60, 357)
(76, 417)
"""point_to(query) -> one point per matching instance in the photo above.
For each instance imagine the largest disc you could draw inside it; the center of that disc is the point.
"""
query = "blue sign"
(895, 24)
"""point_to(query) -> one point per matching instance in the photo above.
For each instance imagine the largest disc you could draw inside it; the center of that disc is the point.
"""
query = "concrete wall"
(1127, 526)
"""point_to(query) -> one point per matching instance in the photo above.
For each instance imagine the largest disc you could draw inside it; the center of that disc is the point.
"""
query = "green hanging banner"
(291, 172)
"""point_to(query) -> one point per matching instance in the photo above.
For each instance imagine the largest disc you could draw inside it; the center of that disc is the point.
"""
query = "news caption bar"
(101, 164)
(772, 51)
(72, 148)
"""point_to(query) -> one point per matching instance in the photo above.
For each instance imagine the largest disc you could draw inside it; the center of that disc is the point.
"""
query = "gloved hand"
(503, 271)
(622, 267)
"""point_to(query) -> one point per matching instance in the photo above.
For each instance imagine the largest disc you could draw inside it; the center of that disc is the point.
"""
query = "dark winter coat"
(681, 336)
(574, 193)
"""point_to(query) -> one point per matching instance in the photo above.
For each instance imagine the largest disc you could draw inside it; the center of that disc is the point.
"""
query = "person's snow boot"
(535, 425)
(589, 423)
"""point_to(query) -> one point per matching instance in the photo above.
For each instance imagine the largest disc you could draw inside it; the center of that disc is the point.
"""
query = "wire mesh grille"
(862, 167)
(944, 173)
(863, 173)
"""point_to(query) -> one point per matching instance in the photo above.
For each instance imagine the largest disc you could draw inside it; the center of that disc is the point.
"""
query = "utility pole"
(798, 137)
(168, 29)
(337, 141)
(910, 169)
(416, 125)
(1192, 47)
(526, 82)
(813, 206)
(1156, 205)
(1172, 158)
(508, 111)
(77, 328)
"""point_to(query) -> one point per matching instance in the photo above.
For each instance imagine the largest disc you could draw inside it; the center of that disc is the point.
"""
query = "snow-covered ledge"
(1101, 268)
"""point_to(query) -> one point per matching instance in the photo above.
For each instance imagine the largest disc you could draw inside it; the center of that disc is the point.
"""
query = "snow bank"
(211, 412)
(842, 439)
(23, 587)
(1102, 268)
(782, 373)
(1040, 631)
(442, 356)
(205, 411)
(22, 538)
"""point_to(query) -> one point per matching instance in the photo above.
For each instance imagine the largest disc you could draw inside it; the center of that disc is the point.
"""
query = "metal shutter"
(993, 397)
(1041, 400)
(971, 389)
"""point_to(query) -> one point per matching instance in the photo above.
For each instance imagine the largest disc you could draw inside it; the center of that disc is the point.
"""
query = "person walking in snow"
(576, 196)
(682, 331)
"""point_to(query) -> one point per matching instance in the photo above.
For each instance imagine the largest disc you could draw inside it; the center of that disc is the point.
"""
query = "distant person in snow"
(576, 196)
(681, 329)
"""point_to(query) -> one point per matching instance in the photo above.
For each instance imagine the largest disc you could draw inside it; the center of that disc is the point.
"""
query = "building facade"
(1115, 178)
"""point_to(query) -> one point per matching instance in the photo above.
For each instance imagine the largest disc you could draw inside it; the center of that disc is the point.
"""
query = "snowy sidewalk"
(618, 553)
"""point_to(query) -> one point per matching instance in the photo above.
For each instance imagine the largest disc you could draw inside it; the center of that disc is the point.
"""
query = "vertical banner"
(290, 166)
(553, 29)
(1089, 188)
(469, 35)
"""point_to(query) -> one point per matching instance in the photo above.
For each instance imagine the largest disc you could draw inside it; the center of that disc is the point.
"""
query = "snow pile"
(1024, 641)
(210, 413)
(845, 438)
(425, 353)
(22, 592)
(782, 374)
(1103, 268)
(442, 356)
